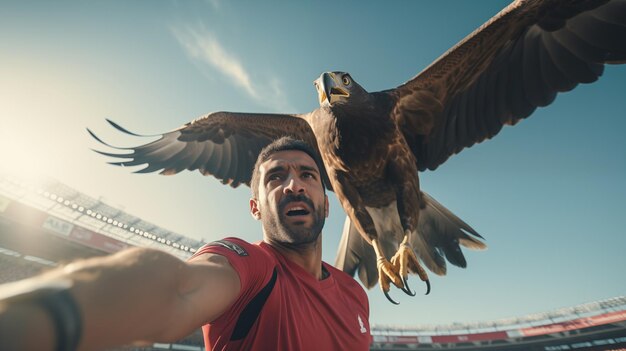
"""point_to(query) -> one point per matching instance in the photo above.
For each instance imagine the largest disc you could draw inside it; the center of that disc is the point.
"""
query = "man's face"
(291, 204)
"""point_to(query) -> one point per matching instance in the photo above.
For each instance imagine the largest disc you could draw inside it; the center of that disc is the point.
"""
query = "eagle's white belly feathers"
(386, 219)
(388, 227)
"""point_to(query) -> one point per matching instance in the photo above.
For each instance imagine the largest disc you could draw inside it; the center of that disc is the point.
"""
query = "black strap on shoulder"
(251, 312)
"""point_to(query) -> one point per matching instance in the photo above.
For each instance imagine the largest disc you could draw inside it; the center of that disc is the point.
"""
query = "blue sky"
(547, 194)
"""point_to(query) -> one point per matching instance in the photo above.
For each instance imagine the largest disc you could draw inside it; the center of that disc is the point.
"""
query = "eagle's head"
(337, 88)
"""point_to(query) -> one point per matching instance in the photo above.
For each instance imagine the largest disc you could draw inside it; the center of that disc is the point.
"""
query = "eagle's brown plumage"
(374, 144)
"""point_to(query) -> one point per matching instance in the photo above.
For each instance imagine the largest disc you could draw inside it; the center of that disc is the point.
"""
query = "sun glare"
(34, 121)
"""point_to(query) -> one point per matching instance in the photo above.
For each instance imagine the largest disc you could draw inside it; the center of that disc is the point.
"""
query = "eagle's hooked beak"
(331, 90)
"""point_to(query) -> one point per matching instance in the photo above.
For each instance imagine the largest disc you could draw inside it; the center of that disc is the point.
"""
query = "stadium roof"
(64, 202)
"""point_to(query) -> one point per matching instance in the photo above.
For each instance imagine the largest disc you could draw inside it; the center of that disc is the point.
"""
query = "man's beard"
(277, 228)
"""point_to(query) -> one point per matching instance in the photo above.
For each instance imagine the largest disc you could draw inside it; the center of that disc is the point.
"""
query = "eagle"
(374, 144)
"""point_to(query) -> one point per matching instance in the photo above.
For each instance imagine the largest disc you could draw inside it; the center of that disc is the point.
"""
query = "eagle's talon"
(406, 288)
(389, 298)
(427, 286)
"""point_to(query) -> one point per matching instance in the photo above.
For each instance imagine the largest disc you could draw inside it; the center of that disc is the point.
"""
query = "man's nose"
(294, 185)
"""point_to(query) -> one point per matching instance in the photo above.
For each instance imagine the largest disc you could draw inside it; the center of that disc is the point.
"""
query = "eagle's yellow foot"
(406, 261)
(388, 273)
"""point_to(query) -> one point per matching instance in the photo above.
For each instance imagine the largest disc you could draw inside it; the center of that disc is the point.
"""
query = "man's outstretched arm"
(133, 296)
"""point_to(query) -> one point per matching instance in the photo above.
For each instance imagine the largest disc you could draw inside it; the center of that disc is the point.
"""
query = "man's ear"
(255, 211)
(326, 209)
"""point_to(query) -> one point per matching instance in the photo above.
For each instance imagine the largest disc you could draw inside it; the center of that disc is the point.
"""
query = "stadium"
(47, 224)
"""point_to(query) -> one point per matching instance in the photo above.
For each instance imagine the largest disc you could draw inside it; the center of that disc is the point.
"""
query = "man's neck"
(307, 256)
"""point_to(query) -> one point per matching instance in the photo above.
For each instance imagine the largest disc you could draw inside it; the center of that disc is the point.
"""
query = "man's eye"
(308, 175)
(274, 177)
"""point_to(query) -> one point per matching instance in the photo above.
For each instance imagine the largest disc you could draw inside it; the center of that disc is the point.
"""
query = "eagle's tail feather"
(439, 234)
(355, 253)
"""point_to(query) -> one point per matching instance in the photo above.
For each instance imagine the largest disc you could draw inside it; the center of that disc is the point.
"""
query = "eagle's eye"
(345, 79)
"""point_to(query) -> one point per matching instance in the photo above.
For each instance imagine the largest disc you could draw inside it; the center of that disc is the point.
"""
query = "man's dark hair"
(282, 144)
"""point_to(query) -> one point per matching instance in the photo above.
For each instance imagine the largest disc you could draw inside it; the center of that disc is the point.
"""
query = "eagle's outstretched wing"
(503, 71)
(223, 144)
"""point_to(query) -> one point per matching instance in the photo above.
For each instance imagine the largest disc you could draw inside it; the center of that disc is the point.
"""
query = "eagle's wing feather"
(222, 144)
(503, 71)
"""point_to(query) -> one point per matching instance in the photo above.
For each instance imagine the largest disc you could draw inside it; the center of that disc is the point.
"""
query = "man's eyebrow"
(282, 168)
(278, 168)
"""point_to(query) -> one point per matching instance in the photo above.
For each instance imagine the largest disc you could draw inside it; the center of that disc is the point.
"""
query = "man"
(274, 295)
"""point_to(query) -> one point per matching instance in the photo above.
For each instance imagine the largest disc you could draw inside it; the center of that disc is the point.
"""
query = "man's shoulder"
(251, 261)
(231, 247)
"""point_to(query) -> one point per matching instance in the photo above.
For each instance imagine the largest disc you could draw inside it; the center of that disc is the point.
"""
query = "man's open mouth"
(297, 211)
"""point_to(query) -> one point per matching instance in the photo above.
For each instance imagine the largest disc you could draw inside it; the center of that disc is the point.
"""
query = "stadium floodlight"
(109, 221)
(99, 216)
(132, 229)
(53, 196)
(74, 206)
(46, 194)
(104, 218)
(168, 242)
(66, 202)
(89, 212)
(125, 226)
(60, 199)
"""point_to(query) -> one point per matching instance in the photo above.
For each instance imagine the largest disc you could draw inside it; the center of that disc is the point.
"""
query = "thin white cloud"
(217, 4)
(204, 47)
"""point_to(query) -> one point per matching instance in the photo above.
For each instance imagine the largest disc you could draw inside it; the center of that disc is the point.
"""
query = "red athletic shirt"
(283, 307)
